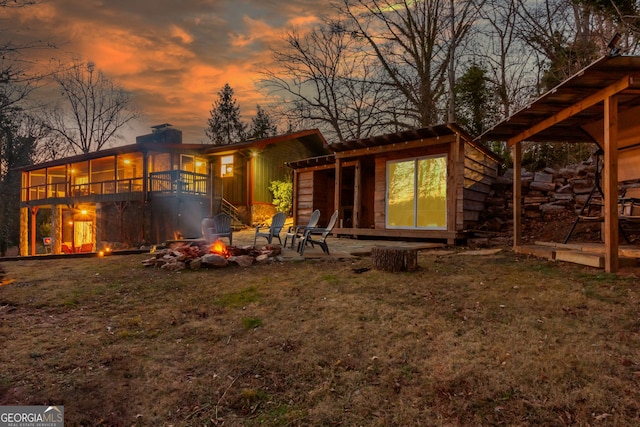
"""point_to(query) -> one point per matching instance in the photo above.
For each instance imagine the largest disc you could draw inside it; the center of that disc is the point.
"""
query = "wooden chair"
(277, 222)
(297, 231)
(323, 233)
(222, 228)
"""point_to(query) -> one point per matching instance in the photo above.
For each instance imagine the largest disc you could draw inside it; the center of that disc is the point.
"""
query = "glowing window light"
(226, 166)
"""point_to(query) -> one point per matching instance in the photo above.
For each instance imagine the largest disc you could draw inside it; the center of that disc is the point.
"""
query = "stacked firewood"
(196, 255)
(545, 194)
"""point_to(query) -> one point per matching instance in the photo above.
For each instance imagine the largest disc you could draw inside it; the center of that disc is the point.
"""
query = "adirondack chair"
(222, 228)
(277, 222)
(297, 231)
(217, 227)
(322, 234)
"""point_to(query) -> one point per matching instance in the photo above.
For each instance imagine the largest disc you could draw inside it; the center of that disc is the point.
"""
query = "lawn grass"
(465, 341)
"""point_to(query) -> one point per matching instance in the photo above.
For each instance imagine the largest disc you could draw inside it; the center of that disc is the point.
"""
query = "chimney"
(161, 134)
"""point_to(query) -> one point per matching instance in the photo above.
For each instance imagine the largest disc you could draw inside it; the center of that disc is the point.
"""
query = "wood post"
(610, 187)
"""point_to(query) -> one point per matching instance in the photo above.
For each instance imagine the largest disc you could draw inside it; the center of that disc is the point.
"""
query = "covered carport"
(600, 104)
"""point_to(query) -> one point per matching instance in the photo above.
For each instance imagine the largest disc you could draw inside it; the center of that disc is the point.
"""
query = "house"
(428, 183)
(599, 104)
(243, 171)
(152, 191)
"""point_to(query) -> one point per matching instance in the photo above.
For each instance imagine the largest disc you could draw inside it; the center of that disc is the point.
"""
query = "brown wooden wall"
(303, 197)
(480, 172)
(470, 174)
(314, 189)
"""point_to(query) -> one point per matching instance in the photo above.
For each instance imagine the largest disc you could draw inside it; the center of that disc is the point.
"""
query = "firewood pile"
(199, 254)
(544, 194)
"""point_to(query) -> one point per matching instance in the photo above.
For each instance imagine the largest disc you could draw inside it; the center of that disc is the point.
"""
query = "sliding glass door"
(417, 193)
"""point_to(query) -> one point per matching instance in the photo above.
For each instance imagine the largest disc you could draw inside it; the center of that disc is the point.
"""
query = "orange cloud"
(258, 30)
(174, 64)
(181, 34)
(304, 21)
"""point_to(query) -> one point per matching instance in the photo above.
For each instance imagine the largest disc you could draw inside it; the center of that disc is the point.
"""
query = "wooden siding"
(363, 174)
(304, 197)
(270, 166)
(380, 194)
(480, 172)
(323, 195)
(235, 187)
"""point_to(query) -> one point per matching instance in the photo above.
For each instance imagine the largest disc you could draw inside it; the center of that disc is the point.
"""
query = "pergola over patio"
(600, 104)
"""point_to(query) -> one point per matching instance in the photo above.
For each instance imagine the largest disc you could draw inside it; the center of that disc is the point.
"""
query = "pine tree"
(224, 126)
(475, 101)
(261, 125)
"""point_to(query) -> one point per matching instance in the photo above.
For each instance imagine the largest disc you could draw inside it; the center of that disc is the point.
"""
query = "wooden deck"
(590, 254)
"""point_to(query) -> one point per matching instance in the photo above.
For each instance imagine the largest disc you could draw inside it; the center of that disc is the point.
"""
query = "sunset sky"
(174, 56)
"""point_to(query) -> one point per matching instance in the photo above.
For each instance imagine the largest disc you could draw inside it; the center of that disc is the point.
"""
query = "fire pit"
(199, 254)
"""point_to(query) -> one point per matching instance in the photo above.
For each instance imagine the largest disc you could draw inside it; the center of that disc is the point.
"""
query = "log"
(394, 259)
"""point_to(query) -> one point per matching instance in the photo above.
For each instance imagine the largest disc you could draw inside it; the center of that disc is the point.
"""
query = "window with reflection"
(79, 173)
(129, 172)
(187, 163)
(417, 193)
(193, 164)
(37, 184)
(160, 162)
(57, 180)
(200, 165)
(226, 166)
(103, 175)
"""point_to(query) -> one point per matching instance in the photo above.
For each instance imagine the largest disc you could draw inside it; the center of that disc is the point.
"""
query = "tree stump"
(394, 259)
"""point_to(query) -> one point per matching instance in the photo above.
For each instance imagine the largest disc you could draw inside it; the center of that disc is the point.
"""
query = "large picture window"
(417, 193)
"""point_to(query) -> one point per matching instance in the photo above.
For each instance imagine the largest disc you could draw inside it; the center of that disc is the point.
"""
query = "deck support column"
(24, 231)
(34, 213)
(357, 194)
(517, 194)
(56, 229)
(610, 187)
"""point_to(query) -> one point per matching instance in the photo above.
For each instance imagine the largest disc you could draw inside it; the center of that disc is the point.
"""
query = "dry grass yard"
(465, 341)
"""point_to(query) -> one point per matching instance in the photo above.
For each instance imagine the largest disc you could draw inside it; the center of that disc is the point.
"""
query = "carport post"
(611, 183)
(517, 193)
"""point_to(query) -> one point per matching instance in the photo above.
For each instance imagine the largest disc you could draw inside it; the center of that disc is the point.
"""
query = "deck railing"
(168, 182)
(177, 181)
(66, 189)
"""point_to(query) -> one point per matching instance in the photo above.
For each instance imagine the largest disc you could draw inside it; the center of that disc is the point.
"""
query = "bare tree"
(622, 16)
(92, 110)
(415, 44)
(562, 34)
(322, 78)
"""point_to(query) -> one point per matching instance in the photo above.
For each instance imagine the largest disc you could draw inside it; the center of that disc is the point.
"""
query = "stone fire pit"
(199, 254)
